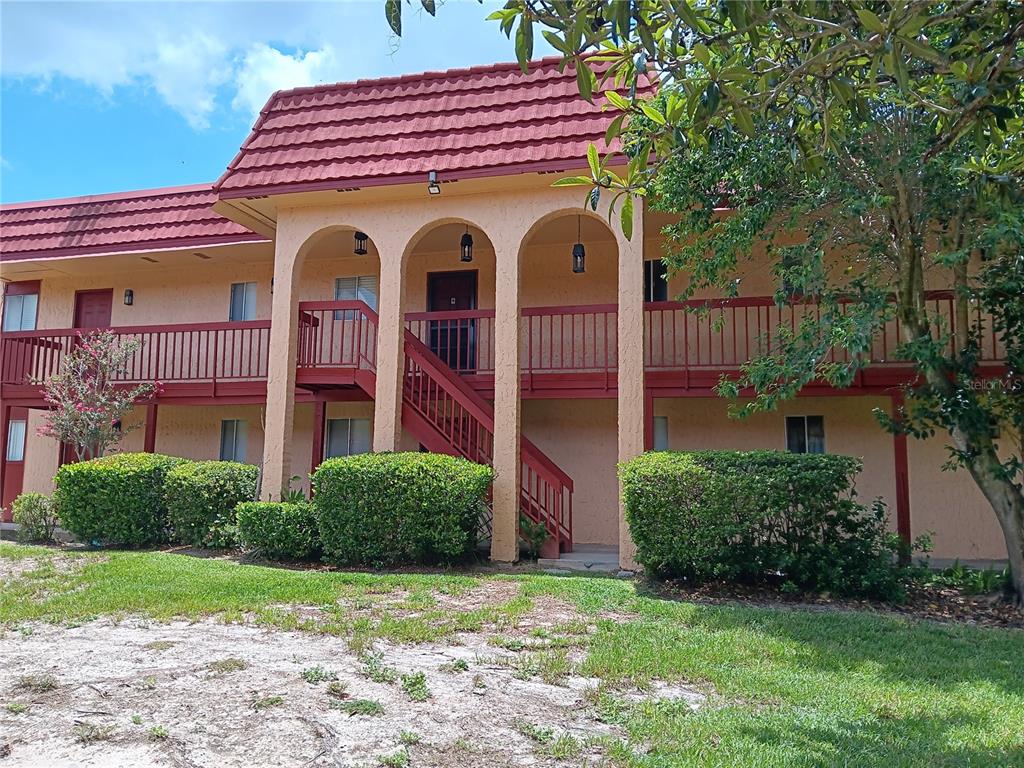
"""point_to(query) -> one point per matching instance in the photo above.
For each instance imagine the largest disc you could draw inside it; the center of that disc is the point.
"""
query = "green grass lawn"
(788, 687)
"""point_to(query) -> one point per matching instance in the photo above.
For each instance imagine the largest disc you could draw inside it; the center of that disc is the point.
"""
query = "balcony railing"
(168, 354)
(340, 337)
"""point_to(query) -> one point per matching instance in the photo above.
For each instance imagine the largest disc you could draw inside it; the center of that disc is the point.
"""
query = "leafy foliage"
(758, 516)
(390, 509)
(117, 499)
(201, 499)
(36, 518)
(87, 407)
(278, 530)
(533, 535)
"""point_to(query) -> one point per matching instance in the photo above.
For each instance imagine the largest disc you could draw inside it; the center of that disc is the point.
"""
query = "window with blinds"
(243, 302)
(233, 433)
(359, 288)
(347, 437)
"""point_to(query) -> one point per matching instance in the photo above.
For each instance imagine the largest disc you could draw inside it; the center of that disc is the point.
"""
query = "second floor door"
(92, 308)
(453, 339)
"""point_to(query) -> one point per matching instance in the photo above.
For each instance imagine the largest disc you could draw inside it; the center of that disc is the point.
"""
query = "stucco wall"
(580, 436)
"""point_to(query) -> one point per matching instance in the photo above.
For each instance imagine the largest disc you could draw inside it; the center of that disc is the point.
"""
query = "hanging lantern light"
(466, 247)
(579, 253)
(360, 249)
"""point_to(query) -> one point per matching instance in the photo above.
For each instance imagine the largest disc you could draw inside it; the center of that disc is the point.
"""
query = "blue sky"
(105, 97)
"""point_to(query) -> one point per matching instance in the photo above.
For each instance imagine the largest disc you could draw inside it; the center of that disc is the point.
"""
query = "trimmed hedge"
(760, 516)
(116, 499)
(201, 497)
(387, 509)
(278, 529)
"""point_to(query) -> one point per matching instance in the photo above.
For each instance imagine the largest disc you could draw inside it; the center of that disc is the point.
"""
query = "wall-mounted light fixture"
(466, 247)
(360, 249)
(433, 188)
(129, 297)
(579, 253)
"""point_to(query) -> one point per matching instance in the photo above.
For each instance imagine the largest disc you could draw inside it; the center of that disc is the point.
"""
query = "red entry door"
(453, 339)
(14, 468)
(92, 308)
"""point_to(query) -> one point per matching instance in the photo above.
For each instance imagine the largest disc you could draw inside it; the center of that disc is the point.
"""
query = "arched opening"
(569, 343)
(338, 285)
(449, 294)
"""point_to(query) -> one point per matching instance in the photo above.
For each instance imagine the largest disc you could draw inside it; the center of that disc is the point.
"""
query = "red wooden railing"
(337, 334)
(464, 339)
(464, 421)
(581, 339)
(196, 352)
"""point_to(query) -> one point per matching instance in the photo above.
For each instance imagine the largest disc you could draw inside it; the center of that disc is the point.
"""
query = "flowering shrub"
(87, 406)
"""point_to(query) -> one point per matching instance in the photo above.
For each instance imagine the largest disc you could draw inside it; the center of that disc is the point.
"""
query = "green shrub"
(277, 529)
(201, 499)
(116, 499)
(35, 516)
(760, 516)
(385, 509)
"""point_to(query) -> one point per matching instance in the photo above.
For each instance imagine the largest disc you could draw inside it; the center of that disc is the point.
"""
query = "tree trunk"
(1008, 503)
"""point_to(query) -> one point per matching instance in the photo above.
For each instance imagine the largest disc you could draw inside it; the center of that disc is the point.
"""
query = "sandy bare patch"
(139, 693)
(15, 568)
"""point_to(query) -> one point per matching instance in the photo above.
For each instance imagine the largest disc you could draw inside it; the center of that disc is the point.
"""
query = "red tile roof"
(154, 219)
(481, 121)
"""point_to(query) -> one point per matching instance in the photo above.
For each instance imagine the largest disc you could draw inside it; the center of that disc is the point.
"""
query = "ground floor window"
(16, 440)
(232, 440)
(346, 437)
(805, 434)
(660, 433)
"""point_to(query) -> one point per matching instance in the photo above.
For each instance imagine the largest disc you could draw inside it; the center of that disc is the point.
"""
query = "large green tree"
(885, 136)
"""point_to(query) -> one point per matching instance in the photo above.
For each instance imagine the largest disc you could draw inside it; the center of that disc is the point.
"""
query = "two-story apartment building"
(385, 266)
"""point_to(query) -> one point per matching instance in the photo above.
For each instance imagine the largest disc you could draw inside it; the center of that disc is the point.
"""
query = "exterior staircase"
(439, 409)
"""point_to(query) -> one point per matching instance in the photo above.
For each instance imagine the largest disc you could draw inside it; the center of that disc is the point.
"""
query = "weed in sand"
(224, 666)
(159, 645)
(508, 643)
(415, 686)
(87, 733)
(377, 671)
(535, 733)
(409, 738)
(148, 683)
(315, 675)
(478, 682)
(399, 759)
(337, 690)
(553, 666)
(37, 683)
(15, 707)
(267, 702)
(158, 733)
(367, 707)
(459, 665)
(137, 719)
(565, 747)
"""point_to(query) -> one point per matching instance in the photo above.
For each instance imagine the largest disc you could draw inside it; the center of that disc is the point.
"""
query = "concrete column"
(284, 333)
(507, 410)
(631, 364)
(387, 407)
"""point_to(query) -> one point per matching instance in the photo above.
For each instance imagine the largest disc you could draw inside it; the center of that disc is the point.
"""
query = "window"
(655, 282)
(16, 440)
(360, 288)
(805, 434)
(346, 437)
(243, 302)
(20, 306)
(661, 433)
(232, 440)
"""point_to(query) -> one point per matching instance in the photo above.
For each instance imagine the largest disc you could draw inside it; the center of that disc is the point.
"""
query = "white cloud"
(264, 70)
(202, 59)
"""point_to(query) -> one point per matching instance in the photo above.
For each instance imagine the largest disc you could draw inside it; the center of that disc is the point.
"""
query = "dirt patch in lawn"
(140, 693)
